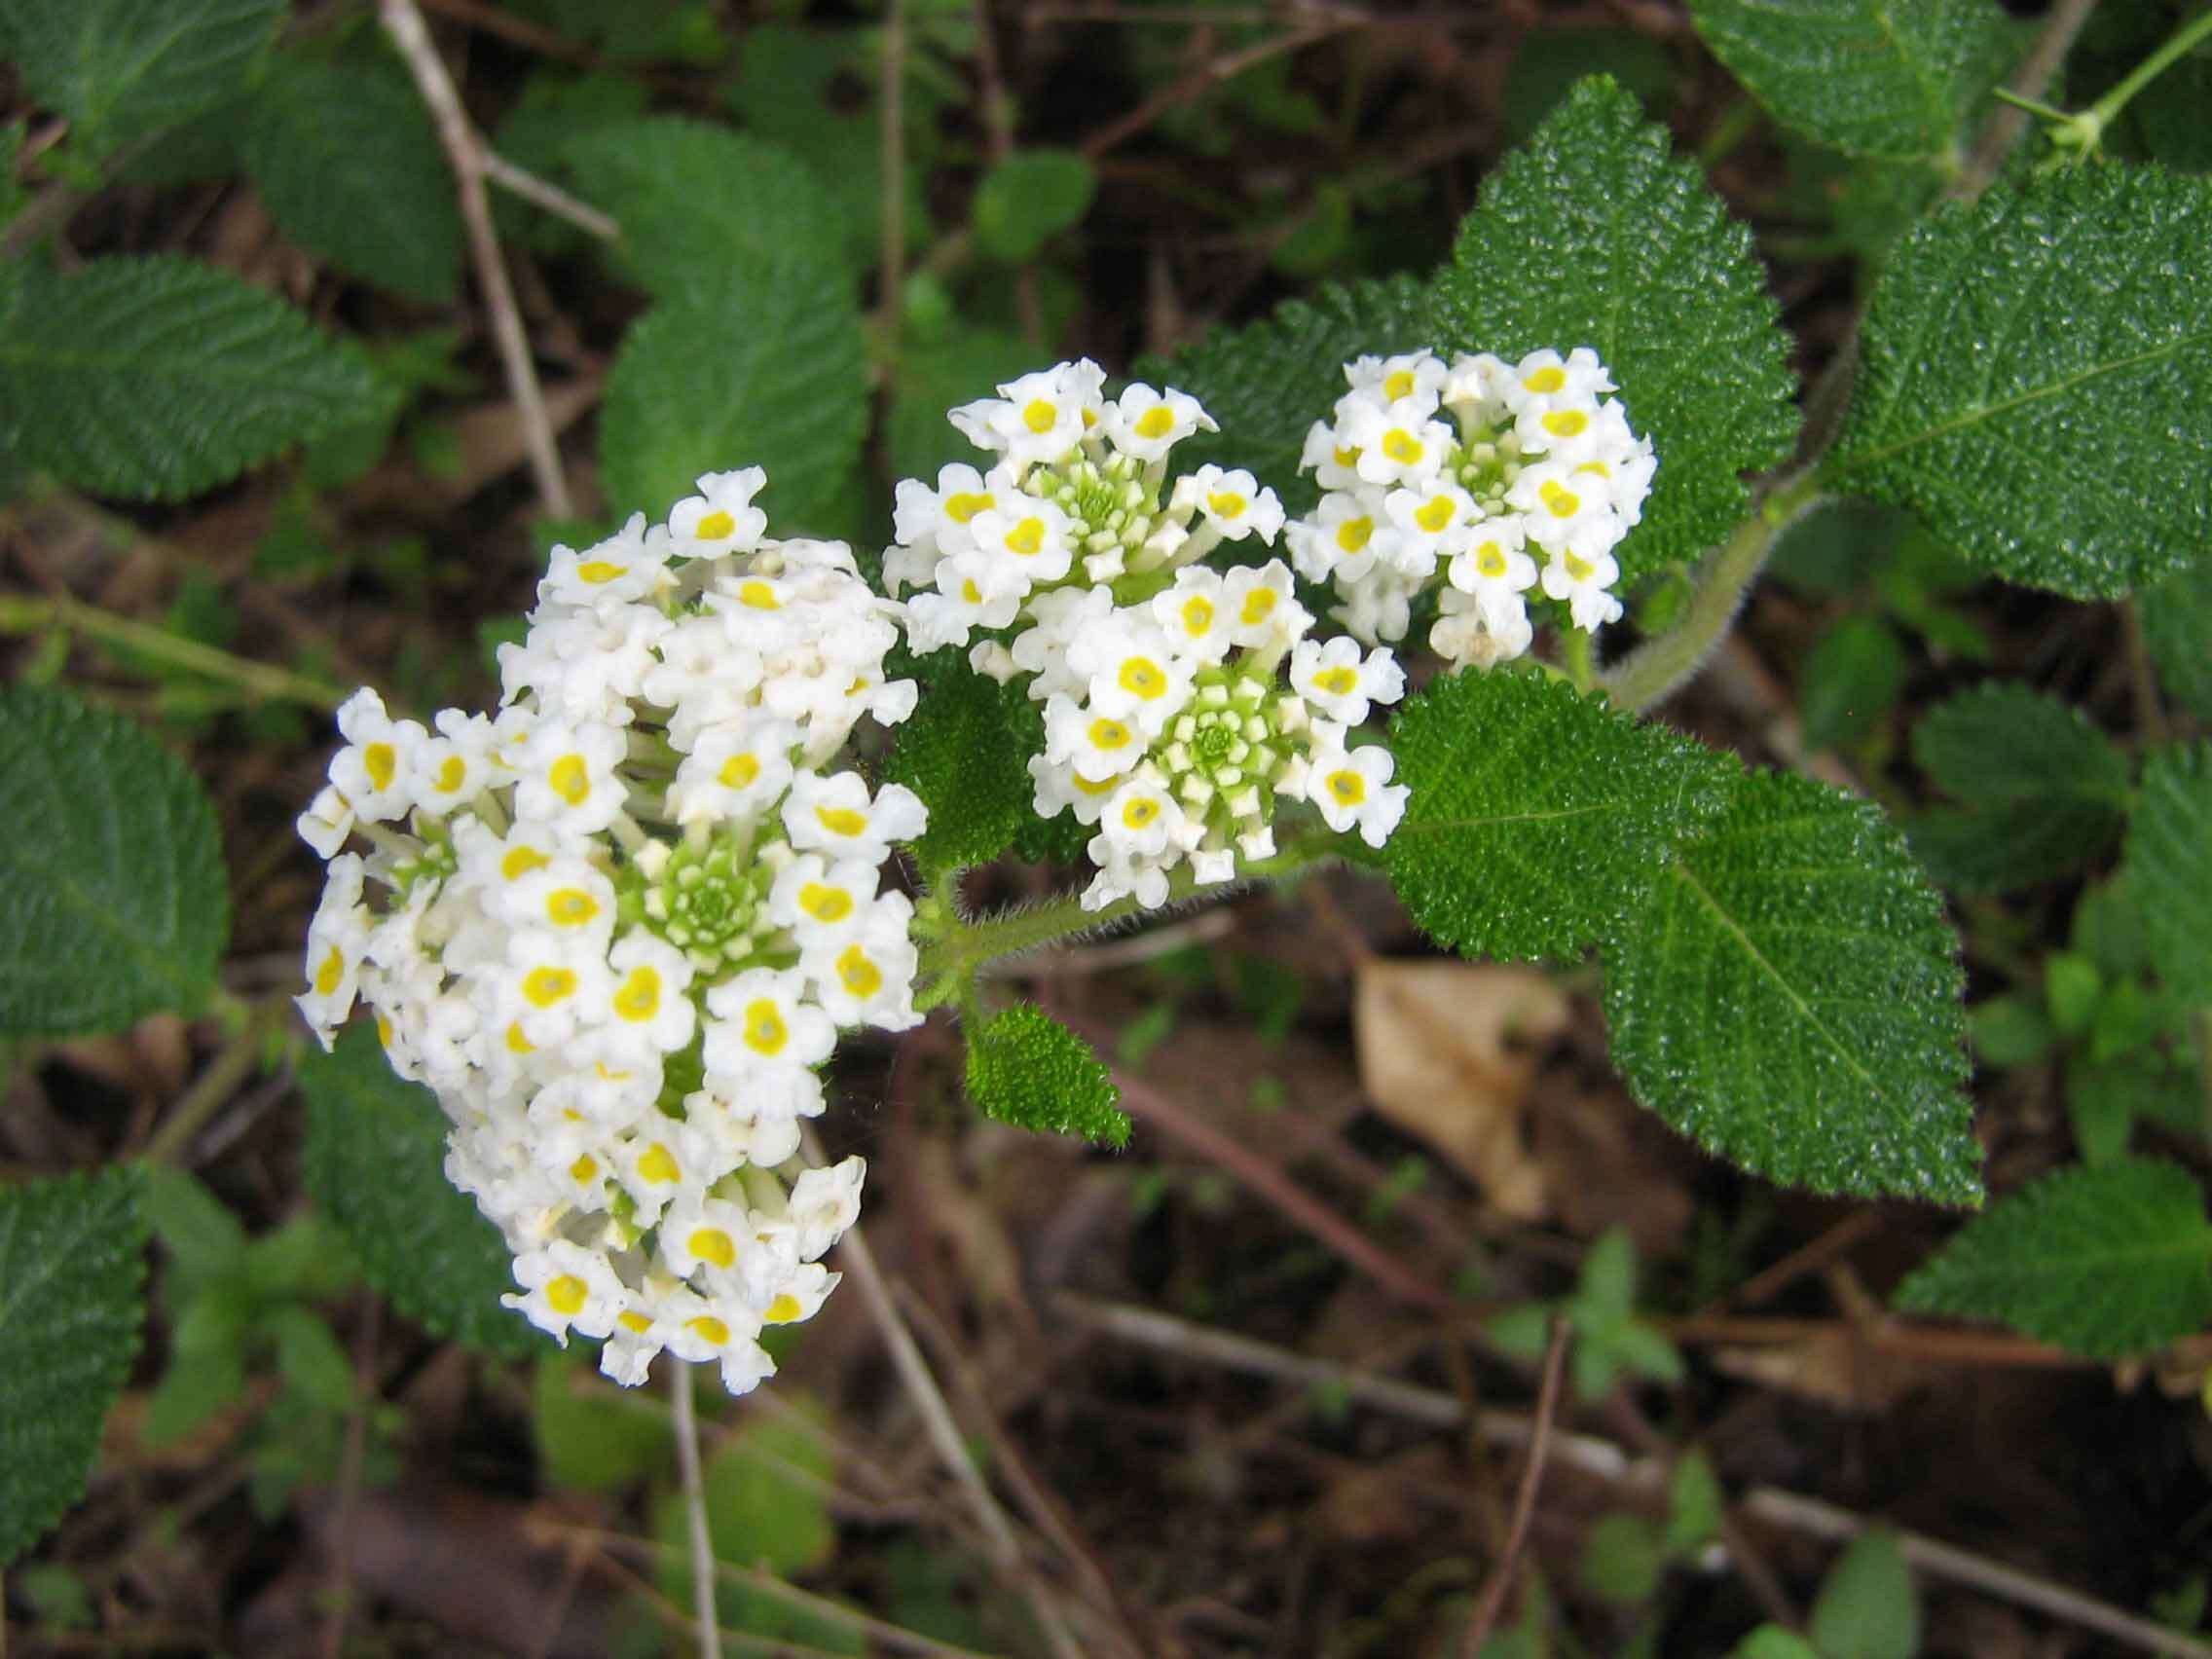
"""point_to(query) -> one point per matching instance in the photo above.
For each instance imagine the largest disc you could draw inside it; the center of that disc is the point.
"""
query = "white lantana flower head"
(619, 928)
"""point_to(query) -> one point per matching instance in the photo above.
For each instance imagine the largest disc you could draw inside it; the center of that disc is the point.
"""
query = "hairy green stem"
(2106, 110)
(949, 960)
(259, 680)
(1655, 668)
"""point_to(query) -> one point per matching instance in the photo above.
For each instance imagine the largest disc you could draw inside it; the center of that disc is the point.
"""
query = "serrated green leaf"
(1026, 1068)
(759, 364)
(2031, 380)
(1594, 234)
(375, 1162)
(1853, 677)
(2044, 790)
(113, 900)
(1867, 1607)
(348, 166)
(2105, 1261)
(123, 69)
(1269, 381)
(960, 751)
(1029, 198)
(2177, 630)
(1787, 995)
(1538, 816)
(2169, 868)
(694, 199)
(1884, 78)
(159, 378)
(70, 1264)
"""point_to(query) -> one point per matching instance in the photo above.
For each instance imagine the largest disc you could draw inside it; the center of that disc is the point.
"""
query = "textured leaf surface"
(113, 900)
(1269, 381)
(1026, 1068)
(2033, 374)
(2105, 1261)
(2169, 869)
(71, 1260)
(760, 364)
(375, 1162)
(693, 199)
(159, 378)
(2177, 627)
(349, 169)
(1788, 994)
(2044, 790)
(1593, 235)
(1538, 816)
(959, 751)
(1030, 197)
(121, 69)
(1889, 78)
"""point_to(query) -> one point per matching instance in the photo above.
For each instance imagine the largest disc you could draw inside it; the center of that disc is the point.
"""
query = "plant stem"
(263, 681)
(1655, 668)
(704, 1611)
(236, 1061)
(1578, 658)
(2183, 40)
(949, 960)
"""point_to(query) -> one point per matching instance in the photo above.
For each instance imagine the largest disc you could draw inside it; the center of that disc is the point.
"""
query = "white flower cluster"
(1167, 724)
(1475, 469)
(620, 923)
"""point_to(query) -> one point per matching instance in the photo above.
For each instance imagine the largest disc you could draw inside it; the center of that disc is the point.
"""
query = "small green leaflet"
(125, 69)
(759, 363)
(2177, 629)
(1593, 235)
(694, 199)
(71, 1262)
(159, 378)
(348, 165)
(2032, 380)
(1867, 1607)
(1787, 995)
(958, 752)
(2043, 789)
(2169, 869)
(1030, 197)
(2104, 1262)
(113, 900)
(375, 1162)
(1268, 382)
(1885, 78)
(1538, 817)
(1026, 1068)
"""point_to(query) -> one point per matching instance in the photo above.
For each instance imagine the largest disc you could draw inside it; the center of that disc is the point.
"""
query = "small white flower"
(1344, 536)
(1354, 788)
(1260, 605)
(328, 821)
(821, 903)
(1134, 672)
(337, 943)
(1544, 380)
(1097, 746)
(1141, 818)
(1492, 563)
(721, 519)
(1334, 463)
(1022, 545)
(1232, 502)
(375, 768)
(824, 1204)
(868, 976)
(1480, 631)
(1332, 677)
(835, 815)
(736, 771)
(762, 1026)
(1147, 424)
(1584, 584)
(1397, 444)
(647, 1012)
(626, 567)
(565, 777)
(552, 986)
(568, 1287)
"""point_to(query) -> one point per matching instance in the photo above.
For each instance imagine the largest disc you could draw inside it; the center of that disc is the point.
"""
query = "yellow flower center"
(1433, 514)
(1142, 677)
(545, 986)
(862, 976)
(713, 1244)
(1490, 559)
(659, 1166)
(1259, 606)
(519, 862)
(738, 772)
(1108, 734)
(381, 762)
(1559, 501)
(709, 1328)
(1567, 423)
(1352, 535)
(1401, 446)
(1336, 681)
(841, 820)
(766, 1032)
(1226, 503)
(452, 773)
(964, 505)
(1348, 786)
(783, 1310)
(1399, 384)
(1545, 381)
(637, 1323)
(584, 1168)
(638, 997)
(569, 907)
(517, 1043)
(1026, 537)
(825, 904)
(1581, 569)
(1154, 422)
(598, 570)
(1040, 417)
(566, 1295)
(570, 779)
(715, 525)
(1197, 615)
(1140, 811)
(760, 596)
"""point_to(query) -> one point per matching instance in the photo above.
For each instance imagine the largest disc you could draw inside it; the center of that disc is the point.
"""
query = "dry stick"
(494, 19)
(703, 1607)
(349, 1480)
(1269, 1183)
(404, 23)
(891, 110)
(1500, 1583)
(1198, 80)
(1609, 1461)
(550, 196)
(943, 1432)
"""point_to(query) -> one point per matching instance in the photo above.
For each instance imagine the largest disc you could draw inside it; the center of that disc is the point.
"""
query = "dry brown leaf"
(1446, 1052)
(1835, 1367)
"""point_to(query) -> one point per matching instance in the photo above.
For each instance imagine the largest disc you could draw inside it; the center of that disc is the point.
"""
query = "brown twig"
(890, 109)
(340, 1592)
(1210, 74)
(532, 37)
(705, 1614)
(411, 36)
(1266, 1180)
(550, 196)
(1807, 1258)
(1500, 1584)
